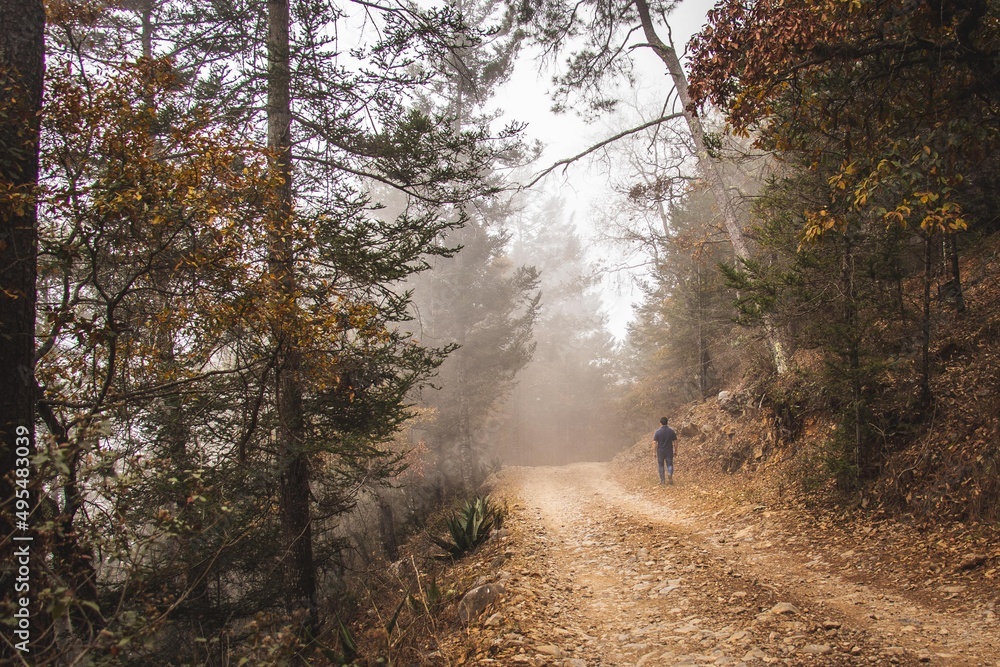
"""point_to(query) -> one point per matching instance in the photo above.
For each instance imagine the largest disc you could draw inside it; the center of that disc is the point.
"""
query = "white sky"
(525, 98)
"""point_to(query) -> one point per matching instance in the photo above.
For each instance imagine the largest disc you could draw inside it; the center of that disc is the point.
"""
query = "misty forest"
(288, 297)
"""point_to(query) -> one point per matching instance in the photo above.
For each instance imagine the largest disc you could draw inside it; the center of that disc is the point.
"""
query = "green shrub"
(470, 526)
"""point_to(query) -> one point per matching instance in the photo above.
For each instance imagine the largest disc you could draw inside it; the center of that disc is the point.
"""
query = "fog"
(535, 377)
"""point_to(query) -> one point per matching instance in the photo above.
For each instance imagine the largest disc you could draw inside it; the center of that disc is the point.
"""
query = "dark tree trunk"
(954, 294)
(296, 528)
(175, 439)
(853, 354)
(73, 559)
(704, 359)
(22, 73)
(925, 326)
(387, 530)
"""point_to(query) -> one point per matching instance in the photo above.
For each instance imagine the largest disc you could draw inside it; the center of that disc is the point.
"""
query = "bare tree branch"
(596, 147)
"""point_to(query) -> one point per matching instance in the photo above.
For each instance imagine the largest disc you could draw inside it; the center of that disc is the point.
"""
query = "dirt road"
(599, 574)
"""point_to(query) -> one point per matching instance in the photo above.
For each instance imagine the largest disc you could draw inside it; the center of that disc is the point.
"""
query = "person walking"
(663, 448)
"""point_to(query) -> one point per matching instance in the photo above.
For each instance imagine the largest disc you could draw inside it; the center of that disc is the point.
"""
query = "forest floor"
(602, 566)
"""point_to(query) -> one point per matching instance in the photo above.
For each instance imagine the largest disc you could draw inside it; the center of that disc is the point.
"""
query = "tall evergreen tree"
(486, 306)
(562, 407)
(478, 302)
(681, 346)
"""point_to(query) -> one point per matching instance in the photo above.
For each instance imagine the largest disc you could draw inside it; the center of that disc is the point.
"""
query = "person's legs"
(669, 462)
(660, 461)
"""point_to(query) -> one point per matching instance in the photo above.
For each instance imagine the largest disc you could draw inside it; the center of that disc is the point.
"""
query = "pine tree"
(562, 407)
(479, 302)
(681, 346)
(486, 306)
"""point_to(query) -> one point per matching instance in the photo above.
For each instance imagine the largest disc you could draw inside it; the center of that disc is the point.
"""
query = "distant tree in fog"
(681, 345)
(560, 409)
(480, 302)
(486, 305)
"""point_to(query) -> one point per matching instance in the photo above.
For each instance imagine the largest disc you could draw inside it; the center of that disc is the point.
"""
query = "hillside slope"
(939, 465)
(731, 461)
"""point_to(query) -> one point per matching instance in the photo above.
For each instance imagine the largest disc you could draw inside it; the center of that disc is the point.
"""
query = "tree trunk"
(465, 453)
(954, 294)
(925, 325)
(299, 567)
(710, 167)
(849, 316)
(175, 437)
(387, 530)
(22, 74)
(704, 359)
(146, 15)
(73, 559)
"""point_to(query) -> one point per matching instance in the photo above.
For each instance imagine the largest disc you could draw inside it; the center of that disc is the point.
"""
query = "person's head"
(663, 421)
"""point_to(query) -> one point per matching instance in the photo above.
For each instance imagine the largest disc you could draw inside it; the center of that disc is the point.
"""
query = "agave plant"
(470, 526)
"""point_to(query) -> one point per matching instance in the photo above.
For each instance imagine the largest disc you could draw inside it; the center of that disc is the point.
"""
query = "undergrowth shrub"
(470, 526)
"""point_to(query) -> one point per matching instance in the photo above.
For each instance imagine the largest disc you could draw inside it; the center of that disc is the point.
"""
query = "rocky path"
(598, 574)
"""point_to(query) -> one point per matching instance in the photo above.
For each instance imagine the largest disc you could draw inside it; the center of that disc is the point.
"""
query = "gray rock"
(477, 600)
(690, 430)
